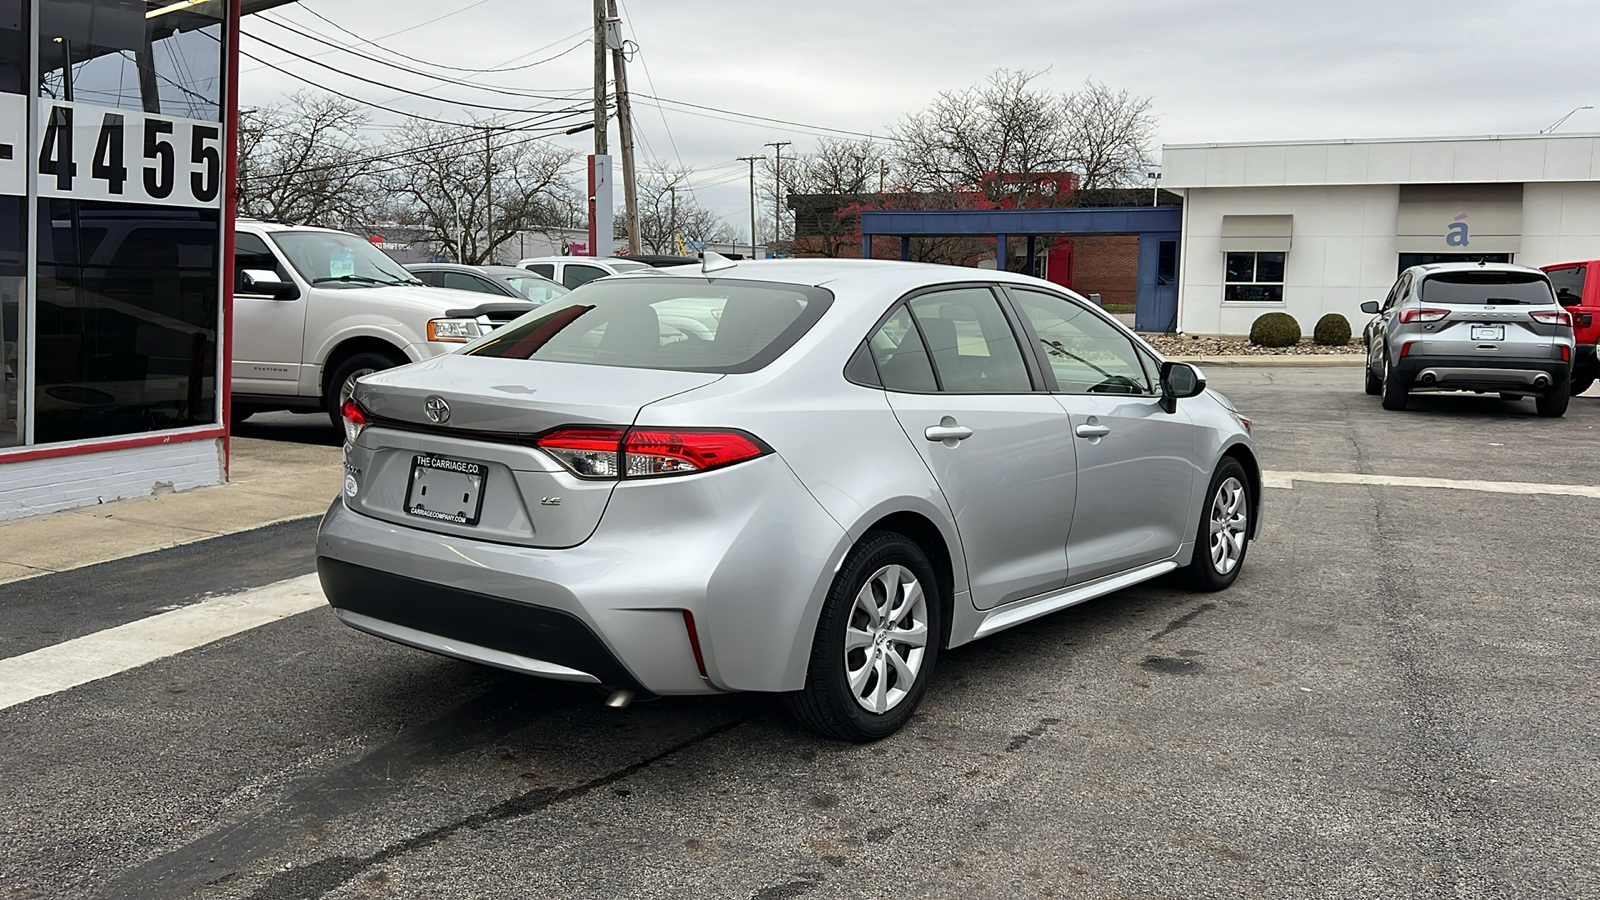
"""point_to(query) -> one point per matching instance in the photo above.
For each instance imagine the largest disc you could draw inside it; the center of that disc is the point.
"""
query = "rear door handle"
(1093, 431)
(944, 432)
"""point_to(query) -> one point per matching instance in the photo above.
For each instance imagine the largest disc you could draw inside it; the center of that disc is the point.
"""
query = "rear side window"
(1486, 288)
(461, 281)
(902, 360)
(973, 347)
(548, 270)
(1568, 284)
(575, 274)
(680, 324)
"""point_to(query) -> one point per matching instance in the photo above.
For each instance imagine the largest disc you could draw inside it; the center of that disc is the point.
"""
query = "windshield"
(1487, 288)
(334, 258)
(681, 324)
(539, 290)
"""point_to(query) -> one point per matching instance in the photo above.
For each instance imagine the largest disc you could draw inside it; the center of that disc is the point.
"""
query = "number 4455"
(109, 163)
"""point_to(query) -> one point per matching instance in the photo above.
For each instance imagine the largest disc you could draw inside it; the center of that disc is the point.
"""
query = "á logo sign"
(1457, 234)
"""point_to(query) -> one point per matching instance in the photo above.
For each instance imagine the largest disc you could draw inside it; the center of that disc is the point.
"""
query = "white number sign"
(90, 152)
(13, 145)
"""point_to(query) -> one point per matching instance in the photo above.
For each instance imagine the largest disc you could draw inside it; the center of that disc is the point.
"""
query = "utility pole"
(672, 222)
(599, 77)
(630, 192)
(777, 188)
(883, 172)
(488, 195)
(752, 160)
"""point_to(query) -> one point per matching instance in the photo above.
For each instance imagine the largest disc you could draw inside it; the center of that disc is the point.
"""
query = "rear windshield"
(1487, 288)
(676, 323)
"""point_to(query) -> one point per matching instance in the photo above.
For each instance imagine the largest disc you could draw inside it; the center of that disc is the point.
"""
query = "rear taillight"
(1566, 353)
(589, 452)
(1422, 315)
(354, 419)
(1557, 317)
(601, 452)
(1405, 349)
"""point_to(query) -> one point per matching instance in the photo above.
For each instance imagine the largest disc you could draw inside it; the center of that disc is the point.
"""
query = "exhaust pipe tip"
(620, 698)
(1541, 381)
(1429, 378)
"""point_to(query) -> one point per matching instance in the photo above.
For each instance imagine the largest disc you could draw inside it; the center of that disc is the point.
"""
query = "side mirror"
(262, 281)
(1179, 380)
(1370, 307)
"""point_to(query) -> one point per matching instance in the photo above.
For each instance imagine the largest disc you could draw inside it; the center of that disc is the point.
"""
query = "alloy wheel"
(349, 385)
(1228, 526)
(885, 638)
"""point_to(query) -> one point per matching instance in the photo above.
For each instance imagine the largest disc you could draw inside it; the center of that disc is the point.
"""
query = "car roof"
(1436, 268)
(874, 273)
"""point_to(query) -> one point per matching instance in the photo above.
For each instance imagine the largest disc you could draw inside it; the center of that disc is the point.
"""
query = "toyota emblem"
(438, 411)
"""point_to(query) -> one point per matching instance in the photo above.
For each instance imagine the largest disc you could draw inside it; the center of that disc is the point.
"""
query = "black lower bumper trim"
(538, 632)
(1410, 367)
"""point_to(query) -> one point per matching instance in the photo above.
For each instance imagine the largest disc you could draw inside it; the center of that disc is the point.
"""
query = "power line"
(493, 89)
(412, 115)
(800, 125)
(502, 68)
(380, 84)
(391, 34)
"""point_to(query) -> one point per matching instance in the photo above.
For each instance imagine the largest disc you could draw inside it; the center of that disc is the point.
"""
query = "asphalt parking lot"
(1399, 698)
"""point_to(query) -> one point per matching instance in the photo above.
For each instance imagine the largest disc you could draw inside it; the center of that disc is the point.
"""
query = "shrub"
(1275, 329)
(1333, 330)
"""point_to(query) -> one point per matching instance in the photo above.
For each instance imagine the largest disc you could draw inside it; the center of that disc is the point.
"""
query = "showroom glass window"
(129, 157)
(13, 214)
(1253, 277)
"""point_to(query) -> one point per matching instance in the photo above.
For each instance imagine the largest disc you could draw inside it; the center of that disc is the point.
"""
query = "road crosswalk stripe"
(1287, 479)
(68, 664)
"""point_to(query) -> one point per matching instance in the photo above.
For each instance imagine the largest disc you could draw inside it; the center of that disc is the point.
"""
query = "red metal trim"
(143, 440)
(230, 210)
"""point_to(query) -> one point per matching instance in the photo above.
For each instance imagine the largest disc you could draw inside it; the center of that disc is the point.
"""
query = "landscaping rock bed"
(1211, 345)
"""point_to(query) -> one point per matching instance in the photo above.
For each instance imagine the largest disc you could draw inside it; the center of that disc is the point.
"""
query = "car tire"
(238, 412)
(854, 689)
(1579, 385)
(1374, 383)
(1552, 404)
(1395, 391)
(1223, 535)
(363, 363)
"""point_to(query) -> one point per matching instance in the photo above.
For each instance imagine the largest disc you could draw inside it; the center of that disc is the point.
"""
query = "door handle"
(1093, 431)
(947, 431)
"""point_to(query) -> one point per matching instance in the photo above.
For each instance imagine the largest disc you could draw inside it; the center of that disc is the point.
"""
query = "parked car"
(863, 463)
(1484, 327)
(661, 261)
(1581, 298)
(502, 281)
(571, 271)
(315, 309)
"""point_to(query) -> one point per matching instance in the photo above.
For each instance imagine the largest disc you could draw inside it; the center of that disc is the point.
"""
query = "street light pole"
(1558, 122)
(777, 188)
(752, 161)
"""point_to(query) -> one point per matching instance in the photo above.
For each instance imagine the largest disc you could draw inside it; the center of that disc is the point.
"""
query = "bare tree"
(471, 188)
(668, 211)
(305, 161)
(1109, 135)
(819, 185)
(989, 139)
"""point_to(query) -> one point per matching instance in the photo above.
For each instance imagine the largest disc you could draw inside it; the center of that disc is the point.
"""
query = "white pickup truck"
(315, 309)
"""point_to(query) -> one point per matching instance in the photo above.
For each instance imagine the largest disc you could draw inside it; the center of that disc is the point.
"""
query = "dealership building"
(1315, 227)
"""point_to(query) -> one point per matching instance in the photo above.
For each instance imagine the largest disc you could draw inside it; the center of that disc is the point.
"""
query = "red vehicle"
(1580, 294)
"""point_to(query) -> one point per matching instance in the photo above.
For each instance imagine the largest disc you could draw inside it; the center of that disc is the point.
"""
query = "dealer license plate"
(1488, 332)
(446, 490)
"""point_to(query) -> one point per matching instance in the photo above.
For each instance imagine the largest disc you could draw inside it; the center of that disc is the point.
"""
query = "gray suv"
(1481, 327)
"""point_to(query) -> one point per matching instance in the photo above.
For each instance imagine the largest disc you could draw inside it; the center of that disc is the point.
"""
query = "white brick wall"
(50, 485)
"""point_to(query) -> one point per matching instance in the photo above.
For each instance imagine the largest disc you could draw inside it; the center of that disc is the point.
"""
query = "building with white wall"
(1313, 227)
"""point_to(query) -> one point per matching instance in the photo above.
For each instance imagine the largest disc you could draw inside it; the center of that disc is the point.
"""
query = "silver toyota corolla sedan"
(804, 477)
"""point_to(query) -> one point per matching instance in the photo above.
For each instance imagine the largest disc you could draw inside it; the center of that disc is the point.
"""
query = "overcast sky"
(1227, 70)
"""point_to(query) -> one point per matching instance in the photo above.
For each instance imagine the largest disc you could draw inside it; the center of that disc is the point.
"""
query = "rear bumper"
(1460, 373)
(747, 550)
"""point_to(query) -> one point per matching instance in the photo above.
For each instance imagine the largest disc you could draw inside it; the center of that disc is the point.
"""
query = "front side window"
(972, 345)
(1087, 355)
(1253, 277)
(339, 260)
(252, 253)
(1568, 284)
(548, 270)
(682, 324)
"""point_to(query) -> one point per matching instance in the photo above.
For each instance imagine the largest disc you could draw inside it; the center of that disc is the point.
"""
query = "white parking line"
(1286, 480)
(68, 664)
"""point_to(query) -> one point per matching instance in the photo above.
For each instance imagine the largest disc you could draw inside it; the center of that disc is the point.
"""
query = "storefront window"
(1254, 278)
(162, 56)
(126, 319)
(13, 212)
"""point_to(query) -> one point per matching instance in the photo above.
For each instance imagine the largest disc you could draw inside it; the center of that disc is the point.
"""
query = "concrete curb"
(1276, 360)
